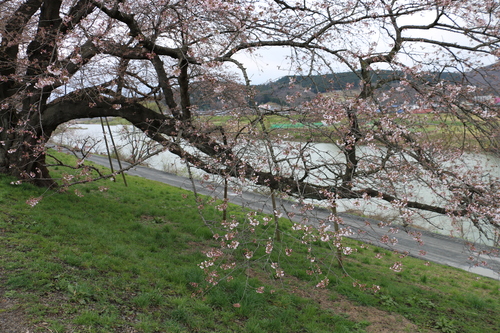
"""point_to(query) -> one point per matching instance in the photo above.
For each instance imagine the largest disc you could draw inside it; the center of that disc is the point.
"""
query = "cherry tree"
(154, 63)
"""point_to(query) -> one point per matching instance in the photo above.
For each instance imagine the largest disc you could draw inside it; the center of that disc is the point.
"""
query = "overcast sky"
(266, 65)
(272, 63)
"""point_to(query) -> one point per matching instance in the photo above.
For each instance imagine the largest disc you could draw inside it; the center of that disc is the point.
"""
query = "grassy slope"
(124, 260)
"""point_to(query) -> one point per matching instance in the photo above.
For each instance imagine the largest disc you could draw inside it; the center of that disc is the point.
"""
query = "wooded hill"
(305, 88)
(485, 78)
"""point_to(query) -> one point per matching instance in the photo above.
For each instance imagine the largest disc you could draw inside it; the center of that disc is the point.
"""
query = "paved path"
(439, 248)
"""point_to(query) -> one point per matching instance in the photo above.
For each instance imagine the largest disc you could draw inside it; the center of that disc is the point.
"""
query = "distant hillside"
(309, 86)
(210, 96)
(487, 78)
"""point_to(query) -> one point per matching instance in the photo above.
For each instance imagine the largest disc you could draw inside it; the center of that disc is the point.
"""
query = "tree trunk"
(23, 156)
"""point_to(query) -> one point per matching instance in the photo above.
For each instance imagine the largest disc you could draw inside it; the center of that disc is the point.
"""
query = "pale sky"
(270, 64)
(266, 65)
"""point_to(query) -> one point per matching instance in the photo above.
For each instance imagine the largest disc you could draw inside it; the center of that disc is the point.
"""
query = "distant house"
(270, 106)
(418, 111)
(482, 99)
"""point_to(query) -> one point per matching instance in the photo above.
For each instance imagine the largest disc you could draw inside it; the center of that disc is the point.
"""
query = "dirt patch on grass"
(380, 321)
(157, 221)
(12, 317)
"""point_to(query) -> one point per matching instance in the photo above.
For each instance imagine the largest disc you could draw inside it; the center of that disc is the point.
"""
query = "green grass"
(111, 120)
(127, 259)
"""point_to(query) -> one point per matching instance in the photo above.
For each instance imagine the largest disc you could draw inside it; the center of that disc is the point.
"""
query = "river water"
(126, 140)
